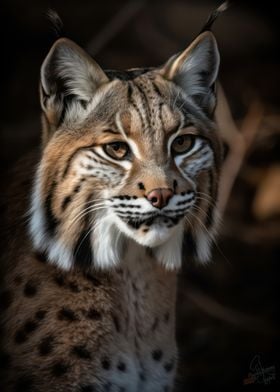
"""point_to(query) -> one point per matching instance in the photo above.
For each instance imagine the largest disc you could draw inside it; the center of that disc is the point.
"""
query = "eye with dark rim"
(117, 150)
(182, 144)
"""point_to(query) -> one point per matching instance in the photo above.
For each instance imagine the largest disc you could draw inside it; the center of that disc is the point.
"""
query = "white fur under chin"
(166, 242)
(169, 254)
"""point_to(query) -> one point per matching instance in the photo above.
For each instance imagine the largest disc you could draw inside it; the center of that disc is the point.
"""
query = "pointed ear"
(195, 70)
(68, 73)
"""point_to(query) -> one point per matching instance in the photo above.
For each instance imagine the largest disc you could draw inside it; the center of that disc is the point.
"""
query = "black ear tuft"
(55, 22)
(214, 15)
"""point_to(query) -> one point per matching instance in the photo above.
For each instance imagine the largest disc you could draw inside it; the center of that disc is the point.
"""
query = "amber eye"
(182, 144)
(116, 150)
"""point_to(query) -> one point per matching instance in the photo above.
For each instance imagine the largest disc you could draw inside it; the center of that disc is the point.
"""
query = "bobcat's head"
(128, 156)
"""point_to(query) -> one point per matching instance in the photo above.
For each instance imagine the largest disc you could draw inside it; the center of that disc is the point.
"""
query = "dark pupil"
(116, 146)
(180, 141)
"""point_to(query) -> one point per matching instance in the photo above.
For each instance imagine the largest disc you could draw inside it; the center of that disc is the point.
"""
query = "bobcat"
(125, 190)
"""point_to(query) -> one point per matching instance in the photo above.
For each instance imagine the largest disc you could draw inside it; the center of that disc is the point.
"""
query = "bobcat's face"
(132, 158)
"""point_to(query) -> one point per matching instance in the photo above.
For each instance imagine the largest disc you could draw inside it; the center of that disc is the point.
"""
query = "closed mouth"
(159, 219)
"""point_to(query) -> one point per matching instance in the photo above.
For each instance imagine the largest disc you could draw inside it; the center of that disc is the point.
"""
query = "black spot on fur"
(81, 352)
(20, 336)
(169, 366)
(141, 186)
(24, 384)
(93, 314)
(106, 364)
(157, 355)
(60, 368)
(46, 345)
(74, 287)
(5, 360)
(67, 314)
(40, 256)
(93, 280)
(40, 314)
(30, 326)
(30, 289)
(6, 299)
(121, 366)
(18, 280)
(59, 280)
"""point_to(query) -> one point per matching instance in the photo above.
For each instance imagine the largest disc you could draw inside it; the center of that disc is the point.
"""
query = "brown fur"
(81, 328)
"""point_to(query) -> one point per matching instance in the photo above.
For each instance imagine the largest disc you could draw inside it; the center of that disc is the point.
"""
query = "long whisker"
(85, 212)
(89, 231)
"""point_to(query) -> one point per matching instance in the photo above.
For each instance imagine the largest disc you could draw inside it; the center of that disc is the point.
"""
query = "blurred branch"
(114, 26)
(239, 141)
(215, 309)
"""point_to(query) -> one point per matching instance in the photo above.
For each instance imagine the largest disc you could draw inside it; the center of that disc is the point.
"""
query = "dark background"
(227, 311)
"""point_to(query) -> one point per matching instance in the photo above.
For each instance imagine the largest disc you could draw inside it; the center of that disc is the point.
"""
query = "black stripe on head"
(145, 101)
(131, 101)
(83, 252)
(156, 89)
(51, 221)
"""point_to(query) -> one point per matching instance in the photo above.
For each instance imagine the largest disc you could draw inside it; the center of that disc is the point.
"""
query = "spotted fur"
(95, 278)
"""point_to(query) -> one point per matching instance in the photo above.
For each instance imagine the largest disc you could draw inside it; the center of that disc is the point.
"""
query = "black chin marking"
(167, 220)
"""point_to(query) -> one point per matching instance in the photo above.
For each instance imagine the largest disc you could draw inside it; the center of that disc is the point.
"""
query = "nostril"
(160, 197)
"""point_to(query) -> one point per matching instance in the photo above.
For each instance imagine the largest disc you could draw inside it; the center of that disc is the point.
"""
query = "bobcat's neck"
(149, 293)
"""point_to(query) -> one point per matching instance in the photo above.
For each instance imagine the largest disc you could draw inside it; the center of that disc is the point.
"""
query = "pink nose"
(160, 197)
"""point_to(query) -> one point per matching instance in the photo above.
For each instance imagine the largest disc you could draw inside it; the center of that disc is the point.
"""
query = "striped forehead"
(150, 113)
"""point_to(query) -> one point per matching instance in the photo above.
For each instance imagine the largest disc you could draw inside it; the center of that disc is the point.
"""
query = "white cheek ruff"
(57, 252)
(107, 242)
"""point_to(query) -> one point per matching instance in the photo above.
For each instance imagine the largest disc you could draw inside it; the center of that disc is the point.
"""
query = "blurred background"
(228, 310)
